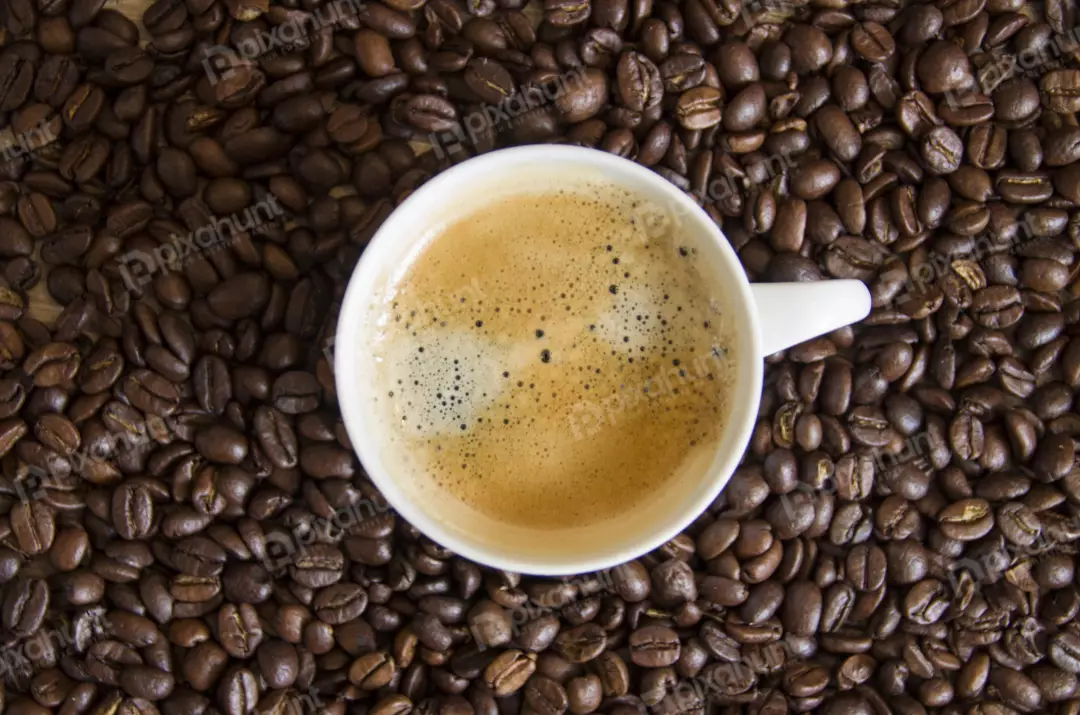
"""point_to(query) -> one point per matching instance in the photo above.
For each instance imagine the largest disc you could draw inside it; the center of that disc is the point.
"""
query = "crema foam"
(556, 357)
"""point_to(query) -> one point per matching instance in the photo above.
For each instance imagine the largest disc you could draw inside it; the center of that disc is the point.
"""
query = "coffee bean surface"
(185, 530)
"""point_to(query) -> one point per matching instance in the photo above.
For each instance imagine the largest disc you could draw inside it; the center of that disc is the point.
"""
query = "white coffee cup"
(772, 317)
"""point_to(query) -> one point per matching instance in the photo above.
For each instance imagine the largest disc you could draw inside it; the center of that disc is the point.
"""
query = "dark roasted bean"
(179, 491)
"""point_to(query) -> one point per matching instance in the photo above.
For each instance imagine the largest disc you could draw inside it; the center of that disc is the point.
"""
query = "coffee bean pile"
(186, 531)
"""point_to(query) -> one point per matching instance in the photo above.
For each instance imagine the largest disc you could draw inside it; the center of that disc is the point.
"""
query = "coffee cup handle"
(791, 313)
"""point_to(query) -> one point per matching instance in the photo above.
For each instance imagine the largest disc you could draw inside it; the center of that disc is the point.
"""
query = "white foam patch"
(444, 380)
(621, 327)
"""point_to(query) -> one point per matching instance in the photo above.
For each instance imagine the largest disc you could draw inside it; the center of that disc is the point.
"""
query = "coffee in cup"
(554, 358)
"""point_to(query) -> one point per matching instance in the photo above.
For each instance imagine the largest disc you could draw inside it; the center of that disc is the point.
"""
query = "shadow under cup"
(451, 196)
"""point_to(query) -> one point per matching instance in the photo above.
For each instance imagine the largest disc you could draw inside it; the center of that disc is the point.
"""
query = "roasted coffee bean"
(583, 98)
(490, 81)
(146, 682)
(222, 444)
(654, 647)
(546, 696)
(1060, 88)
(509, 672)
(241, 296)
(372, 670)
(639, 82)
(25, 605)
(16, 79)
(14, 239)
(699, 108)
(942, 150)
(582, 643)
(966, 520)
(276, 437)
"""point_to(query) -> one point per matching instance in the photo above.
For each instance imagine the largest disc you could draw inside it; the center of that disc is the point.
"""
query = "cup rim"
(737, 433)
